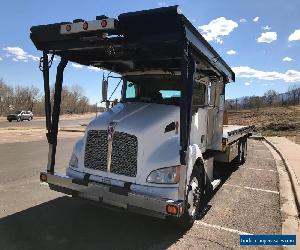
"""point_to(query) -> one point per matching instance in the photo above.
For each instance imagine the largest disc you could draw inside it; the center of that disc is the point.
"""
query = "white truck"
(154, 152)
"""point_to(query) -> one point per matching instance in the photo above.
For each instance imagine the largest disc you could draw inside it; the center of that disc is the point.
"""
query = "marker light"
(85, 25)
(171, 209)
(43, 177)
(103, 23)
(68, 27)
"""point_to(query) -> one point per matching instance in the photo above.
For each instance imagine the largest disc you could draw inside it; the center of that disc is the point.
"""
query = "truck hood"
(136, 118)
(157, 148)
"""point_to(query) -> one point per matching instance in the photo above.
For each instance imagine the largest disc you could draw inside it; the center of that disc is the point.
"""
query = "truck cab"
(153, 152)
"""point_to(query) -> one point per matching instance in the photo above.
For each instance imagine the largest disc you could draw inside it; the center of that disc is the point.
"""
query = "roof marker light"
(68, 27)
(85, 25)
(103, 23)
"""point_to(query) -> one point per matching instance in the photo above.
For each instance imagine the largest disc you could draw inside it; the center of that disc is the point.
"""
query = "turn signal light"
(43, 177)
(171, 209)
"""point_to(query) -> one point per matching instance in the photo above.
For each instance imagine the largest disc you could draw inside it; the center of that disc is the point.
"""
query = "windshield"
(161, 89)
(16, 112)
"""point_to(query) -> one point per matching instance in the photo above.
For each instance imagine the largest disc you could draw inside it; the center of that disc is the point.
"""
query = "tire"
(242, 154)
(193, 201)
(19, 119)
(29, 118)
(238, 160)
(9, 120)
(244, 151)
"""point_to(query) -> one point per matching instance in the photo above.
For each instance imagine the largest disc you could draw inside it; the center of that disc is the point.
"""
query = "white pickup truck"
(154, 152)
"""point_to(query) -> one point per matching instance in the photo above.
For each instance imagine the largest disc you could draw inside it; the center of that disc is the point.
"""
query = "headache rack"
(158, 39)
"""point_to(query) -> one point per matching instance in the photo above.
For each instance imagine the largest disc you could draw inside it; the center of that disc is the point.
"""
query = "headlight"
(73, 161)
(170, 175)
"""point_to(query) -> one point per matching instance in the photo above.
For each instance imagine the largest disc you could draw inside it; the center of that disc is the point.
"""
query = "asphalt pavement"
(40, 123)
(34, 217)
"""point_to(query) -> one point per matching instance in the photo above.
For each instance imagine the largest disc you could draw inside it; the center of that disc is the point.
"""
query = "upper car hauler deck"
(154, 152)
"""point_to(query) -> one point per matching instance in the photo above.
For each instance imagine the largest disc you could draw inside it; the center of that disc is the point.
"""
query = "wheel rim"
(193, 196)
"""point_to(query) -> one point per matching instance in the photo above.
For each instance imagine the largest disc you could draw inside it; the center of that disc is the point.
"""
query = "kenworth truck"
(154, 152)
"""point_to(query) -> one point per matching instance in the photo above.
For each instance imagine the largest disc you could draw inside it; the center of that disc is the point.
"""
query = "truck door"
(199, 112)
(215, 114)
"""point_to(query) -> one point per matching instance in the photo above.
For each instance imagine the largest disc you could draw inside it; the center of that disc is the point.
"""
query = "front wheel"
(29, 118)
(18, 119)
(193, 201)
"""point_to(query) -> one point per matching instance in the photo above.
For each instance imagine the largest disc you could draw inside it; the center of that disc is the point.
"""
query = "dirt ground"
(271, 121)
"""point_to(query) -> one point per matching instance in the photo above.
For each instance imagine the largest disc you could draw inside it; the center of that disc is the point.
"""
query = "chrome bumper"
(111, 196)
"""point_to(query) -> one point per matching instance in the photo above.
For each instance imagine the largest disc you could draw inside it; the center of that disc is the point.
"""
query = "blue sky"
(259, 39)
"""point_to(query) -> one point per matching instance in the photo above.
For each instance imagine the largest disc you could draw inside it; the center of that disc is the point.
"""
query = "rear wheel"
(18, 119)
(244, 152)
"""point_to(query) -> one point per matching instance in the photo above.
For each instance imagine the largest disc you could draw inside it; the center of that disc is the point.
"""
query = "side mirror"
(104, 90)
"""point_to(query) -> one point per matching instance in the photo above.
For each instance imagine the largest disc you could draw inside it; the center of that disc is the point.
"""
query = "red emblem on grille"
(110, 131)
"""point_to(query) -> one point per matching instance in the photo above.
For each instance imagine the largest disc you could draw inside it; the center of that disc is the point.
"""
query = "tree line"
(270, 98)
(73, 100)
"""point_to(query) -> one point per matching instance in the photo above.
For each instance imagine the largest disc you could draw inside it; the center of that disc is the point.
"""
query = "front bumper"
(112, 196)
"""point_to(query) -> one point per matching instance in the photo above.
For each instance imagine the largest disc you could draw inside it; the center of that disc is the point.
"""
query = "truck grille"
(124, 152)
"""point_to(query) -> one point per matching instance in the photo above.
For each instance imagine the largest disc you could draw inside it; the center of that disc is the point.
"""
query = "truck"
(155, 151)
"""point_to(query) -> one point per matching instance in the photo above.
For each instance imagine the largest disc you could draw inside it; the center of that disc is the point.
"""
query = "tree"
(254, 102)
(6, 94)
(294, 92)
(270, 96)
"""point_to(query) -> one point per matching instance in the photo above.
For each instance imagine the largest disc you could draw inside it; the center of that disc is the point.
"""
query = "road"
(40, 123)
(34, 217)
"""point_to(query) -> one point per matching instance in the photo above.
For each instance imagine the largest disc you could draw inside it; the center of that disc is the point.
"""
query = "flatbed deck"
(232, 132)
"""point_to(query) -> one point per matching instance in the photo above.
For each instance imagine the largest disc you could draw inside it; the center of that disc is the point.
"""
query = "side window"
(198, 96)
(212, 94)
(130, 90)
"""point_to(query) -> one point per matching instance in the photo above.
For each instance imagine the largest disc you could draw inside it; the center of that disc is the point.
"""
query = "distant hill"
(271, 98)
(270, 121)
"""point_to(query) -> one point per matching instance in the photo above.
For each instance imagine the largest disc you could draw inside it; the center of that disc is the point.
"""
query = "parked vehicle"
(154, 152)
(20, 116)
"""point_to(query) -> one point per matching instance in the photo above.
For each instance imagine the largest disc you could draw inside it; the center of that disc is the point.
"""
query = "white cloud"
(94, 68)
(248, 72)
(1, 59)
(162, 4)
(243, 20)
(231, 52)
(217, 28)
(267, 37)
(76, 65)
(79, 66)
(19, 54)
(255, 19)
(267, 27)
(247, 83)
(295, 35)
(287, 59)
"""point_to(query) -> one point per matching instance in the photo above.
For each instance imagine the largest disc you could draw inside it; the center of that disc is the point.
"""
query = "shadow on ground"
(66, 223)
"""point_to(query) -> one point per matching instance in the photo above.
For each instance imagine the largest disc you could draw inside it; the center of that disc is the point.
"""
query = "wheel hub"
(193, 196)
